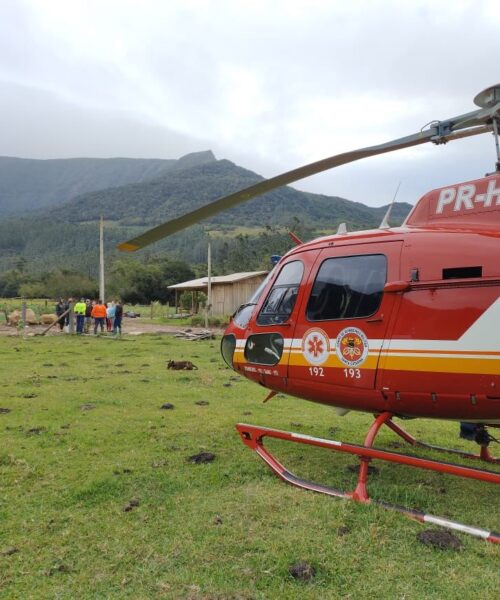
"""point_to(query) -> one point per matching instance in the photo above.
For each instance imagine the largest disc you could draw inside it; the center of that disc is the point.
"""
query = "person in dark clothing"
(117, 323)
(67, 306)
(60, 308)
(88, 315)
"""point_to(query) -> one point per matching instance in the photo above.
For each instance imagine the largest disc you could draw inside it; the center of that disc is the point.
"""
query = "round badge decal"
(351, 347)
(316, 346)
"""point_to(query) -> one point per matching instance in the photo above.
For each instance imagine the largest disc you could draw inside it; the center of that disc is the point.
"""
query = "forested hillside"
(66, 235)
(183, 190)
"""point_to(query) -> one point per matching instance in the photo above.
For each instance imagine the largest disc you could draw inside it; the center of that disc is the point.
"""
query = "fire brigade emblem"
(351, 347)
(316, 346)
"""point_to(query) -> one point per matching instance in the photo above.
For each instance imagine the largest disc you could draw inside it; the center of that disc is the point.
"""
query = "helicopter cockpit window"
(242, 315)
(347, 288)
(281, 299)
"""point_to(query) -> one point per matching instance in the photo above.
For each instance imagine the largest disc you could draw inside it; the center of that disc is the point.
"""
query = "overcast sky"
(270, 85)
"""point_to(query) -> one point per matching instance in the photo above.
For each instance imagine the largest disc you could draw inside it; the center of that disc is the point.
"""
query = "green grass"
(228, 529)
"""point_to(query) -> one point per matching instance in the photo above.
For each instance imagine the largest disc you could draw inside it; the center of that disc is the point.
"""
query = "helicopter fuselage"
(404, 319)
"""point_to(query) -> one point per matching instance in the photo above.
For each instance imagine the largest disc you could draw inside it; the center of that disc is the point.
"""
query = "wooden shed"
(228, 291)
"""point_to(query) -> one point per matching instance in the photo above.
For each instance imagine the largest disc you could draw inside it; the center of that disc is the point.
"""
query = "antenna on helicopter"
(385, 220)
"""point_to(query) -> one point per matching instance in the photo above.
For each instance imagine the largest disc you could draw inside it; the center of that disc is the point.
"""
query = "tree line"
(145, 277)
(129, 280)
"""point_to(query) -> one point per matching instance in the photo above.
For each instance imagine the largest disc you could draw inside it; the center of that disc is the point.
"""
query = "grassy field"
(99, 500)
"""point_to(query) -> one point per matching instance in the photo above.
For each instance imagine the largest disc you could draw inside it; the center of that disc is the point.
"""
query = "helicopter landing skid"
(253, 436)
(484, 453)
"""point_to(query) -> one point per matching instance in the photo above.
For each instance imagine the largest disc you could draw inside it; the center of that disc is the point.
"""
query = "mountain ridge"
(27, 183)
(66, 232)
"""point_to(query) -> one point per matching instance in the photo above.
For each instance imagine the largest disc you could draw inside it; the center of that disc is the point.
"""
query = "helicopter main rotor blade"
(439, 132)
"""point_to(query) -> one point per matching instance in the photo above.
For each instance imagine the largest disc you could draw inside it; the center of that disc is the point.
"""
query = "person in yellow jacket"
(79, 309)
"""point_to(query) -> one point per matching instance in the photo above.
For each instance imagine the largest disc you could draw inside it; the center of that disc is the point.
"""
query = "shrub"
(199, 321)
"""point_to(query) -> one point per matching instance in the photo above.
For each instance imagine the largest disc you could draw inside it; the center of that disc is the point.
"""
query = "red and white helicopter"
(397, 322)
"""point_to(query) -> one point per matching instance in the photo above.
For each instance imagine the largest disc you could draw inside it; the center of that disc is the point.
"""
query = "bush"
(199, 321)
(33, 290)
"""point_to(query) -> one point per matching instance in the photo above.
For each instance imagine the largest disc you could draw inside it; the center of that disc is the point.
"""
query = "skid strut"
(483, 455)
(253, 437)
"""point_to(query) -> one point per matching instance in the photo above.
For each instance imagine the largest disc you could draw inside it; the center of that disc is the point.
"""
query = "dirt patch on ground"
(130, 327)
(443, 540)
(302, 571)
(202, 458)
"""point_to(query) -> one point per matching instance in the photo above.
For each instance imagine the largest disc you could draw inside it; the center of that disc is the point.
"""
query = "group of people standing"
(107, 316)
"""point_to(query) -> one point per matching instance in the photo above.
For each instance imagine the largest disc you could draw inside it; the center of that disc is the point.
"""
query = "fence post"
(23, 314)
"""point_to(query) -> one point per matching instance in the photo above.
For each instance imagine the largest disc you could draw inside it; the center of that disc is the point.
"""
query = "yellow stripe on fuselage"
(474, 363)
(442, 364)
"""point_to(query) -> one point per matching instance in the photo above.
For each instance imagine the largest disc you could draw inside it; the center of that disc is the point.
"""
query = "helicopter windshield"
(242, 315)
(281, 299)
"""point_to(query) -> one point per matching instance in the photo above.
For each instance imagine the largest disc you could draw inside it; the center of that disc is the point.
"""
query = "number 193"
(352, 373)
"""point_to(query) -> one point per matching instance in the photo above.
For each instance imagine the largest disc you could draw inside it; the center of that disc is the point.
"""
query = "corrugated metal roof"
(202, 282)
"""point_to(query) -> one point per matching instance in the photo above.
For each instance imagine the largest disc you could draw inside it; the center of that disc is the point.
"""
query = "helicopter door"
(343, 319)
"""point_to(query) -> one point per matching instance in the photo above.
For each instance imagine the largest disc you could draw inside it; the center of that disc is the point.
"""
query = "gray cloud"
(267, 85)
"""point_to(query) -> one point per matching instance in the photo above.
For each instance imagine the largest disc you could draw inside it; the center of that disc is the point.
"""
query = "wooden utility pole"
(101, 261)
(209, 285)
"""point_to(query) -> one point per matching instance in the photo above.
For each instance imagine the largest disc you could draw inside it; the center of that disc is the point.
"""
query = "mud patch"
(166, 406)
(57, 569)
(4, 411)
(302, 571)
(118, 471)
(202, 403)
(86, 407)
(395, 445)
(35, 431)
(131, 504)
(437, 538)
(343, 530)
(372, 469)
(9, 551)
(202, 458)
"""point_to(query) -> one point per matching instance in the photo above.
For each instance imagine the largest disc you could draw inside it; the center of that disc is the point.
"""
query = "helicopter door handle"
(375, 320)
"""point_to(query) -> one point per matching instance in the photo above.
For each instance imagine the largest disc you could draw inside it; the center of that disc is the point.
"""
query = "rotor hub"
(489, 97)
